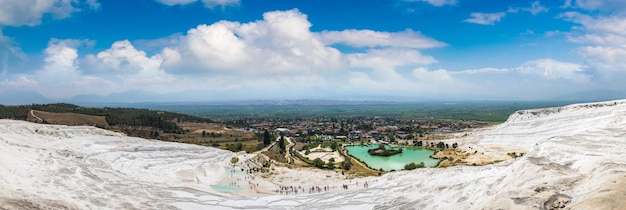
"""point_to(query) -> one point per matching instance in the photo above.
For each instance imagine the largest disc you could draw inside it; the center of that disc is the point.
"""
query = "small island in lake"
(382, 151)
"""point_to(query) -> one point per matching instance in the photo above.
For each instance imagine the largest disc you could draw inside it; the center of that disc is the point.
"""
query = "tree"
(203, 134)
(234, 160)
(318, 163)
(331, 163)
(333, 145)
(441, 145)
(281, 143)
(346, 165)
(266, 138)
(412, 166)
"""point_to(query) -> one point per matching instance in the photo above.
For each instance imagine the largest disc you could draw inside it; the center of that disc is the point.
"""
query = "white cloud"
(606, 59)
(93, 4)
(437, 3)
(123, 58)
(280, 43)
(216, 46)
(207, 3)
(176, 2)
(603, 5)
(605, 40)
(17, 83)
(31, 12)
(369, 38)
(61, 59)
(601, 25)
(485, 18)
(536, 8)
(389, 58)
(552, 70)
(482, 71)
(436, 76)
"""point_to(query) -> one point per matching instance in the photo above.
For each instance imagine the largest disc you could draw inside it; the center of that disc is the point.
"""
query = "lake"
(394, 162)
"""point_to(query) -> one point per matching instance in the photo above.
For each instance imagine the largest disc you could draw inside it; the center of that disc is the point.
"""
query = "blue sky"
(239, 49)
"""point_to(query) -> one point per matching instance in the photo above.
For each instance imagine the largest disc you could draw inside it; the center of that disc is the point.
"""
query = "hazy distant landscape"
(539, 158)
(494, 111)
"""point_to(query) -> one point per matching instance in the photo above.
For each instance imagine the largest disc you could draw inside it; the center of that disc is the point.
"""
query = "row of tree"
(439, 145)
(120, 117)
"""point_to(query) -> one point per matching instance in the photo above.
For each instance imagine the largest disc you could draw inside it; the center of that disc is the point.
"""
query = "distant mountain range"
(23, 97)
(137, 97)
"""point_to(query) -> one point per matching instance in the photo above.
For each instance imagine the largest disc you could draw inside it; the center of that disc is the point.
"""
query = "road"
(287, 148)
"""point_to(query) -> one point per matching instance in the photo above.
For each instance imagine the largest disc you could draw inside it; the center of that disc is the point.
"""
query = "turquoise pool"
(394, 162)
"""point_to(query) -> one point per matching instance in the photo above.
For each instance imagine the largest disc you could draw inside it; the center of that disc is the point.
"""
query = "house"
(340, 138)
(281, 131)
(355, 135)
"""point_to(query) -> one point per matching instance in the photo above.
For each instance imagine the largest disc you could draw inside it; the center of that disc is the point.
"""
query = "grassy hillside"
(145, 123)
(67, 118)
(114, 117)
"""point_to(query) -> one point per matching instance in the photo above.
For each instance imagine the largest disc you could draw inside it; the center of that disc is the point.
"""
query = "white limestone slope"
(576, 156)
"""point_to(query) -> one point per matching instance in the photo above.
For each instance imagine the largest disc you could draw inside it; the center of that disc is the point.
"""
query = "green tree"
(318, 163)
(281, 143)
(346, 165)
(419, 143)
(266, 138)
(333, 145)
(234, 160)
(331, 163)
(412, 166)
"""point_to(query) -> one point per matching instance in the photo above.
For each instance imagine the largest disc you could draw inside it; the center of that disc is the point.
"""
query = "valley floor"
(575, 159)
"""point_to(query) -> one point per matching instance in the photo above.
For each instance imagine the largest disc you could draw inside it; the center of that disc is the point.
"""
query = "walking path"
(35, 116)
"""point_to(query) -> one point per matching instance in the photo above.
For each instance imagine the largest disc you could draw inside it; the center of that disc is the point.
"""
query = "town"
(384, 129)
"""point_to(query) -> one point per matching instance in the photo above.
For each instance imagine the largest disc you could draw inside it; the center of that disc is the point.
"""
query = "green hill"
(115, 117)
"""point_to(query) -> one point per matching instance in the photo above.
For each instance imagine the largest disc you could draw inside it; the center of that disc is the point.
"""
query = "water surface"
(394, 162)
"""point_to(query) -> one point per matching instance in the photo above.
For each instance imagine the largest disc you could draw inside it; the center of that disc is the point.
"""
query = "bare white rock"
(576, 159)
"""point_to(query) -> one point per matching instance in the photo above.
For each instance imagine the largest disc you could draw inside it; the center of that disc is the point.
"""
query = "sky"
(206, 50)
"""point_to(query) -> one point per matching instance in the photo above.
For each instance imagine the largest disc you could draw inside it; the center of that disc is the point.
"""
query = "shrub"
(412, 166)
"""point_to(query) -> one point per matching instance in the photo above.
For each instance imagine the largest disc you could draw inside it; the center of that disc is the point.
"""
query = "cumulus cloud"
(603, 5)
(485, 18)
(552, 70)
(31, 12)
(207, 3)
(280, 43)
(605, 40)
(607, 59)
(482, 71)
(124, 58)
(19, 82)
(389, 58)
(436, 76)
(61, 59)
(535, 8)
(437, 3)
(370, 38)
